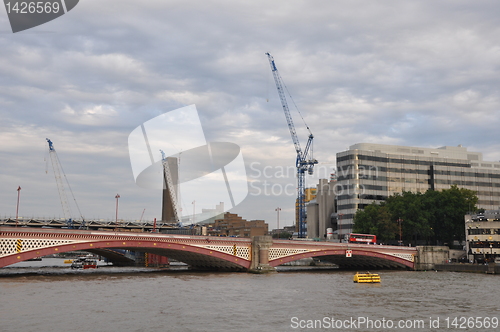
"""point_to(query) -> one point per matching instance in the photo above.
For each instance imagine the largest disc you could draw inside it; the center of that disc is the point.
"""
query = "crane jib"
(302, 162)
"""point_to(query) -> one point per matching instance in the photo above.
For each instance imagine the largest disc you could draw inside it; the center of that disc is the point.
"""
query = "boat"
(85, 262)
(366, 277)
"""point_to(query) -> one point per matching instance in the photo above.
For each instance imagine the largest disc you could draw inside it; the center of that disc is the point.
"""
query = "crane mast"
(304, 161)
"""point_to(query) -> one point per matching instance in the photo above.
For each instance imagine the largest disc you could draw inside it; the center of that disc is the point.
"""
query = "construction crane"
(58, 173)
(170, 186)
(304, 161)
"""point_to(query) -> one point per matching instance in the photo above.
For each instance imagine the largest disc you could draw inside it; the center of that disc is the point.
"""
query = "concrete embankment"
(491, 268)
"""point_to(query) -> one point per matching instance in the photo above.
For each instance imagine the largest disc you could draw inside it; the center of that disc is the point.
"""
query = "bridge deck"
(19, 243)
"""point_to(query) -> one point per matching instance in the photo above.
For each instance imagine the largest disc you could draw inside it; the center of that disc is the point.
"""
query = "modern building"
(369, 173)
(234, 225)
(169, 203)
(482, 234)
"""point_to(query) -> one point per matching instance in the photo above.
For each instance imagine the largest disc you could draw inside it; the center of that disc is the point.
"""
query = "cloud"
(410, 73)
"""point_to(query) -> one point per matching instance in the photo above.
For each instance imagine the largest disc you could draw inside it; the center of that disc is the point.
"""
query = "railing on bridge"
(111, 225)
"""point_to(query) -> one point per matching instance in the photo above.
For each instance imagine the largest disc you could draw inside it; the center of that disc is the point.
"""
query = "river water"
(34, 298)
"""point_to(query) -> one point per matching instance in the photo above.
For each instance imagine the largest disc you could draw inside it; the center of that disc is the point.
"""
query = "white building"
(369, 173)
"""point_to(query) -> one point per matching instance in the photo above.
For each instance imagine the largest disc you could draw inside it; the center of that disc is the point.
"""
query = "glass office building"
(372, 172)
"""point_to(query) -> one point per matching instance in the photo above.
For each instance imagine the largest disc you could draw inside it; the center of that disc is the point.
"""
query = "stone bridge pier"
(260, 254)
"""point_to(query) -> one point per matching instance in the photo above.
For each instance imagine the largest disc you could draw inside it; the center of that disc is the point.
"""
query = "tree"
(435, 217)
(375, 219)
(447, 209)
(409, 207)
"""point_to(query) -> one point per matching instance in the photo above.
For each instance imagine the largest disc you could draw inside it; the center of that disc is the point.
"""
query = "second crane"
(304, 161)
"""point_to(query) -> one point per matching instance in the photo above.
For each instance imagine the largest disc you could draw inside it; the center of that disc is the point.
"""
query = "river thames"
(134, 299)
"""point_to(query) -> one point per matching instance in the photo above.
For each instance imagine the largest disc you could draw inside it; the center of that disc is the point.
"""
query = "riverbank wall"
(490, 268)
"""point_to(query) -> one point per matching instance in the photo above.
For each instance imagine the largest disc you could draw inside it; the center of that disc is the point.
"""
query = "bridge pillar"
(429, 256)
(260, 254)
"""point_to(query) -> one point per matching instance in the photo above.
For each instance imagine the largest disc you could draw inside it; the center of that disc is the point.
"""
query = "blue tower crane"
(305, 161)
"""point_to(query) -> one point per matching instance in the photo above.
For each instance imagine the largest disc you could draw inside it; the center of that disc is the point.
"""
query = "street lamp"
(400, 221)
(17, 206)
(278, 211)
(340, 227)
(491, 252)
(117, 196)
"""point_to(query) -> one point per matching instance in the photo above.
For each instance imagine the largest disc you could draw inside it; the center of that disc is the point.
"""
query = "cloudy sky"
(417, 73)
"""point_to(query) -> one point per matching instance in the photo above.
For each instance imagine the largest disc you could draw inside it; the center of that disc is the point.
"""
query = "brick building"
(234, 225)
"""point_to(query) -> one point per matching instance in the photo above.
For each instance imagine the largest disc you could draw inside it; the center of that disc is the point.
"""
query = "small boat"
(86, 262)
(366, 277)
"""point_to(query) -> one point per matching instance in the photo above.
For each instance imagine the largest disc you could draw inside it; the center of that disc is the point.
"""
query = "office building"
(369, 173)
(482, 234)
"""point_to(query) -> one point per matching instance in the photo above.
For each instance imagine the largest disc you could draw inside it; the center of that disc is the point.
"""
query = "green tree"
(435, 217)
(447, 209)
(409, 207)
(375, 219)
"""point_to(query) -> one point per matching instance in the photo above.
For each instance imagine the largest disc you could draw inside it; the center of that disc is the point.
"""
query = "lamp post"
(17, 206)
(278, 211)
(194, 212)
(116, 217)
(340, 227)
(400, 221)
(491, 252)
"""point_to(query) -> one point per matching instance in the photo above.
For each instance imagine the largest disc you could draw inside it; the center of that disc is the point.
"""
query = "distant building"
(321, 210)
(309, 195)
(368, 173)
(168, 203)
(287, 230)
(482, 234)
(206, 215)
(234, 225)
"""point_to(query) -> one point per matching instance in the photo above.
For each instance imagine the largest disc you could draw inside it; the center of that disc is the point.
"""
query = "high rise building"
(168, 203)
(369, 173)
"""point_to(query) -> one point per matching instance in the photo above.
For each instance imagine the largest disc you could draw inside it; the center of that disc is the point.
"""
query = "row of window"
(424, 181)
(347, 206)
(340, 189)
(485, 244)
(401, 161)
(485, 203)
(346, 216)
(372, 172)
(377, 177)
(352, 206)
(370, 169)
(468, 174)
(468, 183)
(483, 231)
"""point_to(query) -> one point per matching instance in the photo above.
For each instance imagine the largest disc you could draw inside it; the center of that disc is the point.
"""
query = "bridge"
(258, 254)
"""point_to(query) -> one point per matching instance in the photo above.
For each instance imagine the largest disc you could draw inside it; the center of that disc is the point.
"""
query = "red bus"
(362, 238)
